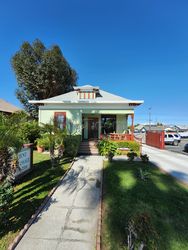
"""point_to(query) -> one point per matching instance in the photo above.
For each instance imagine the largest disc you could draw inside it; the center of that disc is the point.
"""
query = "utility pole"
(150, 118)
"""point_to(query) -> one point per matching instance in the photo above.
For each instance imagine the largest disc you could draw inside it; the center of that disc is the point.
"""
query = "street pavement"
(179, 148)
(174, 163)
(69, 220)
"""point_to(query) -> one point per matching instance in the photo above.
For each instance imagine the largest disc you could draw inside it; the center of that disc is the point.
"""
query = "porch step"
(88, 148)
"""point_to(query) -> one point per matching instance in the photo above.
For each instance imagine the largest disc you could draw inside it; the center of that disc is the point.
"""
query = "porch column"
(132, 125)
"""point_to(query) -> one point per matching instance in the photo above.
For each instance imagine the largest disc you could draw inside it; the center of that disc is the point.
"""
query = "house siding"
(74, 117)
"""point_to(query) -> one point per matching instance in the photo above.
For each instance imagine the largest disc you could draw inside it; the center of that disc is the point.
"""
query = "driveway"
(69, 220)
(174, 163)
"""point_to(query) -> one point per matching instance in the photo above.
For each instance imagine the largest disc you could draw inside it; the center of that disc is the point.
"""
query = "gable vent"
(87, 92)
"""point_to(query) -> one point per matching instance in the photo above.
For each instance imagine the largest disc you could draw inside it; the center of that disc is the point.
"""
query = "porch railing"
(121, 137)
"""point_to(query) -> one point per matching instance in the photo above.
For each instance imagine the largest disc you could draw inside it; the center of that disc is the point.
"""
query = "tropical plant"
(41, 73)
(10, 145)
(144, 174)
(54, 137)
(107, 148)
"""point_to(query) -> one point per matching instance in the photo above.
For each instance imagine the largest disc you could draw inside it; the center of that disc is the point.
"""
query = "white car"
(178, 137)
(171, 138)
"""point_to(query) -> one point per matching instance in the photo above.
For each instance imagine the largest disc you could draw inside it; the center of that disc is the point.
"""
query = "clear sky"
(136, 49)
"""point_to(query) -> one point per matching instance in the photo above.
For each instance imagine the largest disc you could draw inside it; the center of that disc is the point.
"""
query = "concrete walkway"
(173, 163)
(69, 220)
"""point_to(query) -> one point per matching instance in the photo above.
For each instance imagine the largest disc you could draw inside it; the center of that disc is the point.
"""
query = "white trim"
(86, 101)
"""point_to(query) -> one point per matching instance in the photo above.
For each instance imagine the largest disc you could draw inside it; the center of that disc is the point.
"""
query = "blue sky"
(136, 49)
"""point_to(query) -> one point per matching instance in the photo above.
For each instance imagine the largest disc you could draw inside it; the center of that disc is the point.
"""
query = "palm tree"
(55, 137)
(10, 145)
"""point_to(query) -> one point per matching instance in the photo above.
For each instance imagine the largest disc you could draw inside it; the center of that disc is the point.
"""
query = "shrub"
(71, 144)
(131, 155)
(6, 198)
(144, 158)
(132, 145)
(29, 131)
(107, 148)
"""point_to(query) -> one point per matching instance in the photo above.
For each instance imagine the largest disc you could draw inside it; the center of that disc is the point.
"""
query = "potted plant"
(41, 144)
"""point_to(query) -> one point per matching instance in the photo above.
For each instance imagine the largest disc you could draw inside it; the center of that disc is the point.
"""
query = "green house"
(90, 112)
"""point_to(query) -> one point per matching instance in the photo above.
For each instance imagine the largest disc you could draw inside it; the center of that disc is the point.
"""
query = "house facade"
(89, 111)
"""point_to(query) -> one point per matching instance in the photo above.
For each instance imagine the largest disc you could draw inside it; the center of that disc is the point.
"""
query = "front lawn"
(29, 194)
(161, 197)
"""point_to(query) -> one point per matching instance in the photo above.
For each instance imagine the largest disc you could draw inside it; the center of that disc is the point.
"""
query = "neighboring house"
(182, 128)
(88, 111)
(144, 128)
(7, 108)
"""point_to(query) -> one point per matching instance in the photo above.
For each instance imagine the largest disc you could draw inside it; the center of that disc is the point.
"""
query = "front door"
(93, 128)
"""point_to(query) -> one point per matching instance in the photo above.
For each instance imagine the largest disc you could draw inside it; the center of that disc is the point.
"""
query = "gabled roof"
(148, 127)
(101, 97)
(7, 107)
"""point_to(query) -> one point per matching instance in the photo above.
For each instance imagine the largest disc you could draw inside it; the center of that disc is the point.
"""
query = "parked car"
(170, 138)
(178, 137)
(186, 148)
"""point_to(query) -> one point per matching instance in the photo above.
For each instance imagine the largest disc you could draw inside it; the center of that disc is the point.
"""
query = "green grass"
(161, 196)
(29, 194)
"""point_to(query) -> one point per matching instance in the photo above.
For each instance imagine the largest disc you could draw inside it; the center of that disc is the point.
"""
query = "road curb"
(99, 223)
(34, 216)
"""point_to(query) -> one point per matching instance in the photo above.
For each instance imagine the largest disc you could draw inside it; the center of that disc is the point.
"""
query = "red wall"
(155, 139)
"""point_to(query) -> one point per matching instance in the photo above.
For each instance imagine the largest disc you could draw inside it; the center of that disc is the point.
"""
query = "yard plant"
(107, 148)
(131, 145)
(10, 145)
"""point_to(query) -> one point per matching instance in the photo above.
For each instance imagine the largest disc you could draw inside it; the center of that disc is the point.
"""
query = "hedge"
(132, 145)
(72, 144)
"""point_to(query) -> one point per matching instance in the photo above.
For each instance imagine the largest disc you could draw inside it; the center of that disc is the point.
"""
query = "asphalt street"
(179, 148)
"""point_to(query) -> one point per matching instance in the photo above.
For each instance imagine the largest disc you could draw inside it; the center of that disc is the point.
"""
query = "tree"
(41, 73)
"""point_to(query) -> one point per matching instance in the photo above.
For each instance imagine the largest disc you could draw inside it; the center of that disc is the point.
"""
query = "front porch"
(114, 126)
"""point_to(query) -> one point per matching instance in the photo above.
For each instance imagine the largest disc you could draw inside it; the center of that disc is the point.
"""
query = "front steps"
(88, 148)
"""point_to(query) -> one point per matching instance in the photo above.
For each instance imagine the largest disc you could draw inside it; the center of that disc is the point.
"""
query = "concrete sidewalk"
(69, 220)
(173, 163)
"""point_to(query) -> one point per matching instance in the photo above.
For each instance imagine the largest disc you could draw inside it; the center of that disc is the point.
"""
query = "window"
(60, 119)
(108, 124)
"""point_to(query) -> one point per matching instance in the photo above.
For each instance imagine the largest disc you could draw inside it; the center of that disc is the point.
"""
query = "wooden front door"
(93, 128)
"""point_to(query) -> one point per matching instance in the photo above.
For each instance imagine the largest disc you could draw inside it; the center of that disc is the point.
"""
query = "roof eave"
(134, 103)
